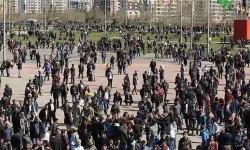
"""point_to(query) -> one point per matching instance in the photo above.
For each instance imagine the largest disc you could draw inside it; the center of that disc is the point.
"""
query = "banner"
(226, 4)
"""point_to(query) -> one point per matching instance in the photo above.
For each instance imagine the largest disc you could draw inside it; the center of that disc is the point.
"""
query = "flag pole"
(4, 33)
(181, 21)
(208, 25)
(192, 25)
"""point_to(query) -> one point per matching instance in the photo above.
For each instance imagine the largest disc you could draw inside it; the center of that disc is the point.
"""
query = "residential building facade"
(55, 5)
(84, 5)
(29, 6)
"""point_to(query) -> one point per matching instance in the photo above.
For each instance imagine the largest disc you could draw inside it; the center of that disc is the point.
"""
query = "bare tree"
(121, 16)
(95, 15)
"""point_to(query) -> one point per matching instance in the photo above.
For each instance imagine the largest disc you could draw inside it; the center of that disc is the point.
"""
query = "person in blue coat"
(204, 136)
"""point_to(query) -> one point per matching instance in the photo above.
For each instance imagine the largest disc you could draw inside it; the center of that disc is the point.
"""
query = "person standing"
(40, 83)
(19, 67)
(56, 141)
(81, 70)
(16, 141)
(55, 91)
(73, 92)
(73, 73)
(8, 91)
(161, 74)
(173, 133)
(135, 82)
(47, 71)
(51, 112)
(64, 92)
(66, 74)
(165, 86)
(38, 60)
(110, 78)
(103, 57)
(185, 142)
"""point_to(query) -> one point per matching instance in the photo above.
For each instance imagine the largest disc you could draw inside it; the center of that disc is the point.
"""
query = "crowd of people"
(94, 121)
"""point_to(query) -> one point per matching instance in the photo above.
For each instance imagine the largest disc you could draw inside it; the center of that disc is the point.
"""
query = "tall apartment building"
(54, 5)
(13, 6)
(218, 14)
(100, 4)
(77, 5)
(29, 6)
(114, 7)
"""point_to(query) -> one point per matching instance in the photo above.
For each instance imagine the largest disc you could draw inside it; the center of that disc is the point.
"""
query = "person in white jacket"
(78, 146)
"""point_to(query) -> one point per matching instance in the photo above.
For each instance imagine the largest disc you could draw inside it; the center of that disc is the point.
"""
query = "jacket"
(205, 137)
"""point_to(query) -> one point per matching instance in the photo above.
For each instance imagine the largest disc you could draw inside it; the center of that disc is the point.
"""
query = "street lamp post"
(105, 21)
(208, 26)
(192, 25)
(9, 4)
(181, 21)
(4, 33)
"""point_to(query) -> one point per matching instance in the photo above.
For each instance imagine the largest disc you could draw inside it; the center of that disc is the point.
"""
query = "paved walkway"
(140, 64)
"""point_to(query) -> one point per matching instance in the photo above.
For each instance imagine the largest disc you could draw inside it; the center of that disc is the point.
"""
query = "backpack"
(109, 75)
(166, 86)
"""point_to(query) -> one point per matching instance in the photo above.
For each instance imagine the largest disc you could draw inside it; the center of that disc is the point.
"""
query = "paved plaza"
(140, 64)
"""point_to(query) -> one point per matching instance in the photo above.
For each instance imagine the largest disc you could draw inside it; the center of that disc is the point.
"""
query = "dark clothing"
(225, 139)
(16, 141)
(57, 143)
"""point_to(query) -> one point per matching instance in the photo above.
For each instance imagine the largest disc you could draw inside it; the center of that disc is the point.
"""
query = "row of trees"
(168, 15)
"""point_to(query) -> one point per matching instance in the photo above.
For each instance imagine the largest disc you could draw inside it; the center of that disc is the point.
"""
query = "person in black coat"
(34, 130)
(51, 111)
(16, 141)
(128, 98)
(68, 119)
(43, 115)
(8, 91)
(57, 141)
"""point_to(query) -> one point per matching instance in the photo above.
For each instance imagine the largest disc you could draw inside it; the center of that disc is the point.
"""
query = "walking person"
(19, 67)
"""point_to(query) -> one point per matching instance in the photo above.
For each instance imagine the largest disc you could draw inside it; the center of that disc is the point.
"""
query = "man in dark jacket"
(56, 141)
(55, 91)
(64, 92)
(121, 133)
(185, 142)
(26, 138)
(68, 119)
(16, 141)
(155, 98)
(73, 92)
(34, 130)
(8, 91)
(43, 115)
(51, 111)
(80, 70)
